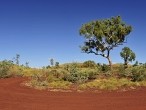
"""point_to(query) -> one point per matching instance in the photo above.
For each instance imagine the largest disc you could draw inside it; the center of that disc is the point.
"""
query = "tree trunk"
(108, 58)
(110, 62)
(126, 64)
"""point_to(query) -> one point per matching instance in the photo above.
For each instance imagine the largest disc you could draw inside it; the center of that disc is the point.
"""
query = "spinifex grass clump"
(108, 84)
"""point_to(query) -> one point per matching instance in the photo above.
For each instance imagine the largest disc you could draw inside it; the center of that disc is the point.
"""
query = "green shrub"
(77, 77)
(105, 68)
(136, 73)
(73, 77)
(108, 84)
(121, 69)
(91, 73)
(55, 74)
(89, 64)
(17, 71)
(5, 67)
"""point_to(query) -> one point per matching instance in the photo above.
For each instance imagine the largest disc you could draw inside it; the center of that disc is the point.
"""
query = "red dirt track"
(14, 96)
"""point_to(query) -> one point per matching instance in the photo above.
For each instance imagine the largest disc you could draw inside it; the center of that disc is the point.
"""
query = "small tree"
(103, 35)
(128, 55)
(51, 61)
(17, 59)
(57, 64)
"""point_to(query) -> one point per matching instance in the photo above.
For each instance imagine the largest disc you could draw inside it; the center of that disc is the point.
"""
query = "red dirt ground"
(14, 96)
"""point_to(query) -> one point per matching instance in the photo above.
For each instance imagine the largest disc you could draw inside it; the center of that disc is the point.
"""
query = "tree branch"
(103, 55)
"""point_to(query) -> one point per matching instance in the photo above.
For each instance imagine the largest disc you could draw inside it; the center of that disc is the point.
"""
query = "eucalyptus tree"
(102, 36)
(128, 55)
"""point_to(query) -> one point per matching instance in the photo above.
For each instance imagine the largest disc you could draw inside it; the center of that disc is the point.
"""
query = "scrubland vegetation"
(78, 76)
(101, 37)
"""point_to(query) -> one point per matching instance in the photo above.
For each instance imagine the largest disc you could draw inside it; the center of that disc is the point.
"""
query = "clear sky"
(42, 29)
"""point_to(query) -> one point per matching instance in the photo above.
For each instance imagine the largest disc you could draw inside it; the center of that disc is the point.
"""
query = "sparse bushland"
(89, 78)
(9, 69)
(81, 75)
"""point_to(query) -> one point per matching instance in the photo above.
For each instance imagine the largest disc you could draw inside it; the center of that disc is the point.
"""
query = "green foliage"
(48, 79)
(73, 68)
(17, 71)
(107, 84)
(103, 35)
(75, 75)
(5, 66)
(105, 68)
(137, 73)
(89, 78)
(8, 69)
(56, 74)
(128, 55)
(91, 73)
(89, 64)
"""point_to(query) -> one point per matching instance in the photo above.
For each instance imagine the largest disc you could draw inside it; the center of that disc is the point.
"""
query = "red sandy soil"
(14, 96)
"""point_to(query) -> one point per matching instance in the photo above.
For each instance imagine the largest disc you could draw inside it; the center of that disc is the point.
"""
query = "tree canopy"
(103, 35)
(128, 55)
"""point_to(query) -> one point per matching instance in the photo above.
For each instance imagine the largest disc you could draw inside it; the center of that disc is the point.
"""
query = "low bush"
(91, 73)
(89, 64)
(108, 84)
(5, 67)
(136, 73)
(41, 81)
(105, 68)
(77, 77)
(16, 71)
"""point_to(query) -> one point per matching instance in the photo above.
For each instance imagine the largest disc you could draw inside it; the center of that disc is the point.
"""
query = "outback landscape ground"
(15, 96)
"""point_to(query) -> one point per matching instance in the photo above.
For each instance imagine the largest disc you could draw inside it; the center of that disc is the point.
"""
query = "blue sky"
(39, 30)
